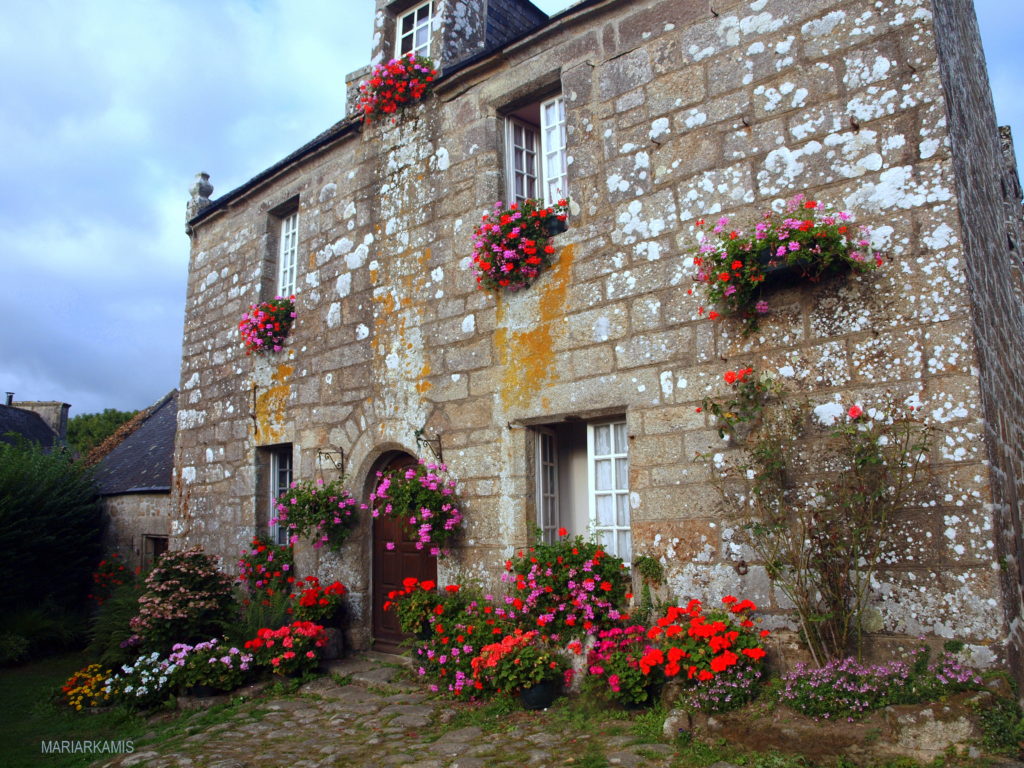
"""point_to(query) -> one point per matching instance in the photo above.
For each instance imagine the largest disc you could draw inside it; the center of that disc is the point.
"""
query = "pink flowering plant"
(324, 512)
(266, 325)
(266, 567)
(423, 497)
(613, 666)
(394, 85)
(212, 663)
(566, 589)
(510, 246)
(808, 237)
(291, 651)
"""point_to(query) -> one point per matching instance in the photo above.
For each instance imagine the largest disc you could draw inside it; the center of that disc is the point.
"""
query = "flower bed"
(423, 497)
(808, 238)
(266, 567)
(213, 664)
(265, 326)
(394, 85)
(86, 688)
(289, 651)
(510, 246)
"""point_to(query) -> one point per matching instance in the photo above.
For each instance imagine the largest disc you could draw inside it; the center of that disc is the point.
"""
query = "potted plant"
(326, 512)
(806, 241)
(266, 567)
(394, 85)
(266, 325)
(613, 666)
(521, 663)
(423, 497)
(511, 245)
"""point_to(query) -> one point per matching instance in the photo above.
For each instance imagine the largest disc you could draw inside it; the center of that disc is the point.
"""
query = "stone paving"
(367, 712)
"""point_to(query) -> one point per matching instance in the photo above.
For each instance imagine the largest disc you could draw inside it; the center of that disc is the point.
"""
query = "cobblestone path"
(368, 713)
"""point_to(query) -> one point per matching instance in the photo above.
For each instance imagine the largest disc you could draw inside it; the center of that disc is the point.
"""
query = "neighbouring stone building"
(134, 469)
(671, 110)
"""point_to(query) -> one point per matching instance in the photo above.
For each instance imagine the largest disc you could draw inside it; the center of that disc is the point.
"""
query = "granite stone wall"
(676, 110)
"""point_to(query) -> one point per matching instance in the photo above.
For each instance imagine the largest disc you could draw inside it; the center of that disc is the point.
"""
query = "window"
(287, 254)
(582, 482)
(536, 163)
(413, 33)
(275, 477)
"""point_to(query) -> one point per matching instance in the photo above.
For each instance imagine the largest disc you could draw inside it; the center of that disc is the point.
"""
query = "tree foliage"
(87, 430)
(50, 528)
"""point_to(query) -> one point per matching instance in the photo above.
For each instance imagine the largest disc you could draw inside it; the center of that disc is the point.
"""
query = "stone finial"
(200, 192)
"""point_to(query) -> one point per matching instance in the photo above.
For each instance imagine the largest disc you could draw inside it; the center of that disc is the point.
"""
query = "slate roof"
(144, 461)
(28, 424)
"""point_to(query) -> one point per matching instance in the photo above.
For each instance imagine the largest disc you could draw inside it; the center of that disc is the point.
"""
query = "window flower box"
(394, 85)
(265, 326)
(807, 241)
(511, 245)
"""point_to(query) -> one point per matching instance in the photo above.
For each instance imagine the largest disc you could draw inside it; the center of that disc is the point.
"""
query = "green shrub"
(187, 598)
(110, 630)
(49, 528)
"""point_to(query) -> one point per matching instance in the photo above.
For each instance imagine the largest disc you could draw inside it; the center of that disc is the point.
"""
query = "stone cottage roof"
(28, 424)
(143, 462)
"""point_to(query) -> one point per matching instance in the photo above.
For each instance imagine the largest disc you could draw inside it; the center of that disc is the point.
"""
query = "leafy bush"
(266, 567)
(613, 666)
(50, 528)
(187, 598)
(110, 631)
(110, 574)
(291, 651)
(213, 664)
(86, 688)
(316, 603)
(1002, 726)
(13, 648)
(145, 683)
(87, 430)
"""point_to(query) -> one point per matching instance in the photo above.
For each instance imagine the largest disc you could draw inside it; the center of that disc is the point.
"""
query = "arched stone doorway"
(389, 567)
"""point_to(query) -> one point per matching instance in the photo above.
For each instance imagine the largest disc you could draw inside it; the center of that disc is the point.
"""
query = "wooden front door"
(390, 566)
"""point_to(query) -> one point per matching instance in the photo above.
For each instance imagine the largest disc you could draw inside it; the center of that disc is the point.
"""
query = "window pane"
(620, 438)
(622, 474)
(602, 440)
(605, 511)
(624, 546)
(622, 510)
(607, 540)
(422, 36)
(407, 24)
(603, 475)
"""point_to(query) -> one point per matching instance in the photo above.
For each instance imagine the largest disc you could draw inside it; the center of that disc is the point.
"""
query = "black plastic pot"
(539, 696)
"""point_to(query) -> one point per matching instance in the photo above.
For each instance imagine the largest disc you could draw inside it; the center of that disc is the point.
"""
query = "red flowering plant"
(510, 246)
(699, 648)
(519, 660)
(394, 85)
(423, 498)
(325, 512)
(317, 603)
(413, 604)
(613, 666)
(566, 589)
(291, 651)
(266, 568)
(110, 574)
(266, 325)
(808, 237)
(746, 401)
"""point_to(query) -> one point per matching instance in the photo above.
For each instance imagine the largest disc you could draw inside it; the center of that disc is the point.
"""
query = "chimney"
(10, 399)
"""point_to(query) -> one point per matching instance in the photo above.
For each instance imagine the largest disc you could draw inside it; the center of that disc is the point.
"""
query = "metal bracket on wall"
(336, 456)
(252, 412)
(433, 443)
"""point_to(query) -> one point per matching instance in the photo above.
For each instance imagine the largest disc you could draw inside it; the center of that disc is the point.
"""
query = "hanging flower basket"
(325, 512)
(806, 242)
(265, 326)
(423, 498)
(511, 246)
(394, 85)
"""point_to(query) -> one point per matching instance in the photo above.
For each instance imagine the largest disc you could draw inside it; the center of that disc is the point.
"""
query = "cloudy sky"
(107, 111)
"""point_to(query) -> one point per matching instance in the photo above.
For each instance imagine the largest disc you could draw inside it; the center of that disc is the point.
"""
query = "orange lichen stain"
(424, 257)
(373, 276)
(528, 356)
(312, 261)
(271, 405)
(423, 385)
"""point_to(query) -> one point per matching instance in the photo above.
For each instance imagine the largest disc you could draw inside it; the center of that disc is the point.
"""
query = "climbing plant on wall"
(806, 241)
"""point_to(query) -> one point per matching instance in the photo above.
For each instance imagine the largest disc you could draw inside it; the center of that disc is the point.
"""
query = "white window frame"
(545, 173)
(417, 25)
(549, 517)
(554, 161)
(615, 530)
(280, 481)
(288, 255)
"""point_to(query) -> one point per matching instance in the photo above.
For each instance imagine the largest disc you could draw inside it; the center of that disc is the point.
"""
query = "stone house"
(133, 476)
(648, 114)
